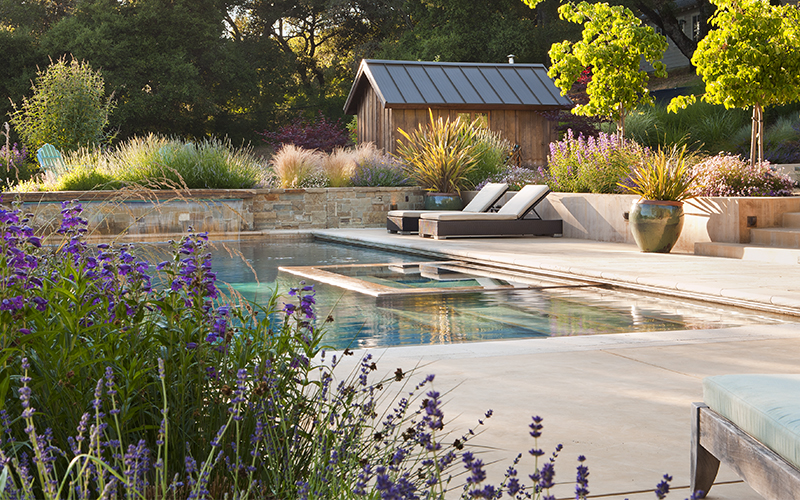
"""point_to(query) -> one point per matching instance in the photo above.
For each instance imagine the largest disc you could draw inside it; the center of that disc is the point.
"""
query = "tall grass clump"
(730, 175)
(377, 169)
(207, 164)
(297, 167)
(339, 167)
(591, 165)
(439, 155)
(702, 126)
(781, 141)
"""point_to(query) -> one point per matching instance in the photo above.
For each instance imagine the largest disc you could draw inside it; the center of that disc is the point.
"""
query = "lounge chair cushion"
(527, 197)
(467, 216)
(486, 197)
(483, 201)
(765, 406)
(515, 208)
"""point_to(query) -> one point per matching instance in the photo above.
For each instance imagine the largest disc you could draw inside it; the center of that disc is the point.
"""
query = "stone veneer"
(158, 215)
(222, 210)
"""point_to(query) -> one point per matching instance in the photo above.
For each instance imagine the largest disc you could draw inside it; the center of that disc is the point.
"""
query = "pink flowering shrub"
(729, 175)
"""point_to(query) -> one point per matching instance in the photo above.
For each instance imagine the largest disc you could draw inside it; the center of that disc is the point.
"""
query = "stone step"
(775, 237)
(750, 252)
(791, 219)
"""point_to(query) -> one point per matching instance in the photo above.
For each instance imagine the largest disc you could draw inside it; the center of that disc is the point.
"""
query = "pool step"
(749, 252)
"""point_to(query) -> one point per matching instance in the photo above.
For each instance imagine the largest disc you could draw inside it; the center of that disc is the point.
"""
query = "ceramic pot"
(443, 201)
(656, 225)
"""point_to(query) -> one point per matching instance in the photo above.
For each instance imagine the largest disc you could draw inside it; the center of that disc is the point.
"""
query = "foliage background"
(193, 68)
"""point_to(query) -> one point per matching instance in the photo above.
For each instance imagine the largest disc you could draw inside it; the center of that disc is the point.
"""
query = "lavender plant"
(593, 165)
(132, 386)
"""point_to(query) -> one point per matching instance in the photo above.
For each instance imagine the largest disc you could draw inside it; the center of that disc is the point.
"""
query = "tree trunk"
(621, 125)
(757, 135)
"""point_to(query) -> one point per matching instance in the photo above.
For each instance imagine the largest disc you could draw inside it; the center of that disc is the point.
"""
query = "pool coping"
(673, 286)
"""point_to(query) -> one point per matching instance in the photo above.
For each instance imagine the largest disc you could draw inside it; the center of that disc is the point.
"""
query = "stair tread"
(777, 229)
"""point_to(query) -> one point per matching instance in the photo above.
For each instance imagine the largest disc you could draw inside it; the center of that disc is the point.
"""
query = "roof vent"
(511, 58)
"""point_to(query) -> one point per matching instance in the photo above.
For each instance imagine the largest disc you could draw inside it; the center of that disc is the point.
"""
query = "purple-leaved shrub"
(730, 175)
(321, 134)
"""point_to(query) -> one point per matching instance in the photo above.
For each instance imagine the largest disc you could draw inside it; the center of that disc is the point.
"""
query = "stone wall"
(221, 211)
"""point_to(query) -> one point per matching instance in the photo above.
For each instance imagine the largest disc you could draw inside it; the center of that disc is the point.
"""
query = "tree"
(750, 59)
(477, 31)
(613, 45)
(173, 68)
(68, 109)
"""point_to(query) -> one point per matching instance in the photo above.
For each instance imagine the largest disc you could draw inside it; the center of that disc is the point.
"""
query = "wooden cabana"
(508, 98)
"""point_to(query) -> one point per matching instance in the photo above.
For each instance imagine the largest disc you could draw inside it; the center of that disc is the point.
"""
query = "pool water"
(501, 312)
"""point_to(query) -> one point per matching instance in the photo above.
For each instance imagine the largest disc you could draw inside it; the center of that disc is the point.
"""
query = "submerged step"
(749, 252)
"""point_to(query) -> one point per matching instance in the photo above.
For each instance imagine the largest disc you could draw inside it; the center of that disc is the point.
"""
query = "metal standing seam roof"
(420, 84)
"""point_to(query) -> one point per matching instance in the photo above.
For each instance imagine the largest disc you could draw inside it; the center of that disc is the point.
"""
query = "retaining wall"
(598, 217)
(222, 211)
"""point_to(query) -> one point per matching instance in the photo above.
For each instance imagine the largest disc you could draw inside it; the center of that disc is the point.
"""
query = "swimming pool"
(440, 317)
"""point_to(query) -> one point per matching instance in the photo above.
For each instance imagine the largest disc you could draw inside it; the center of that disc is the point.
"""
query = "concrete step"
(775, 237)
(751, 252)
(791, 219)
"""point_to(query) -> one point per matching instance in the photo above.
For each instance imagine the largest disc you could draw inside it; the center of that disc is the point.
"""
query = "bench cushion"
(765, 406)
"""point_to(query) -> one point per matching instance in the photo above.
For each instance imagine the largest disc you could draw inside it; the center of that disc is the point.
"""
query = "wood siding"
(529, 129)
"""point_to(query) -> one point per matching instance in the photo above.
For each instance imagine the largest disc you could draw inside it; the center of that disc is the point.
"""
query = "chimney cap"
(511, 58)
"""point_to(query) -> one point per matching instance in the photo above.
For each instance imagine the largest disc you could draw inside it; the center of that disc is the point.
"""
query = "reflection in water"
(364, 321)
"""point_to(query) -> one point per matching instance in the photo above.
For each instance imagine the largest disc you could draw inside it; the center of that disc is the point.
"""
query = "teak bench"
(751, 423)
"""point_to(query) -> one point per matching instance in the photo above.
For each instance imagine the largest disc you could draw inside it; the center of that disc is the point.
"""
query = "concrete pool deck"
(621, 400)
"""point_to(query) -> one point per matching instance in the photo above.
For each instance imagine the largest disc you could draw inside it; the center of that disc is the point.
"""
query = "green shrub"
(593, 165)
(490, 151)
(68, 108)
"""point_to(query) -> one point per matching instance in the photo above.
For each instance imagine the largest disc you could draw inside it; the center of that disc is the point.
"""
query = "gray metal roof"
(414, 84)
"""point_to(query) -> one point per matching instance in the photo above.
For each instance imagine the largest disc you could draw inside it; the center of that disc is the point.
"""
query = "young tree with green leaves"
(613, 44)
(68, 109)
(750, 59)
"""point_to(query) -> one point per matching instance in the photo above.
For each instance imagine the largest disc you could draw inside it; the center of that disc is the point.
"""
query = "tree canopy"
(613, 43)
(751, 58)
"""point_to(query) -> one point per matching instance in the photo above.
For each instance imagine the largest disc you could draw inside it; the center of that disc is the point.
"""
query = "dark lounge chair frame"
(716, 439)
(407, 225)
(440, 229)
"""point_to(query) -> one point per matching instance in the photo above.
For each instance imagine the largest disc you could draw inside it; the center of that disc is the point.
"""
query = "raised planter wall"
(222, 211)
(601, 217)
(597, 217)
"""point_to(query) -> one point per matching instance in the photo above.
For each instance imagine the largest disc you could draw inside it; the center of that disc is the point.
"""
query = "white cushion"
(527, 197)
(486, 197)
(416, 213)
(468, 216)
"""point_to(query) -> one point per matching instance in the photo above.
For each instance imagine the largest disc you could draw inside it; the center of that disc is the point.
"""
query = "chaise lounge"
(407, 221)
(752, 424)
(510, 220)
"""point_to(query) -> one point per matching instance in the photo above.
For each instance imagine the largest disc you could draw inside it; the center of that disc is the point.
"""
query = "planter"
(656, 225)
(443, 201)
